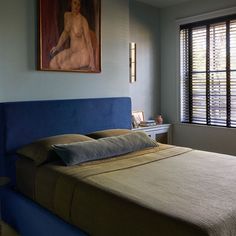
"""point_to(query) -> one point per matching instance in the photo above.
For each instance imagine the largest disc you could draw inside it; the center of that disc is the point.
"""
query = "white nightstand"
(161, 133)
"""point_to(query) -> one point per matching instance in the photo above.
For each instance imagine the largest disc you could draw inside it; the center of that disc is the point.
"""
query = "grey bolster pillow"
(80, 152)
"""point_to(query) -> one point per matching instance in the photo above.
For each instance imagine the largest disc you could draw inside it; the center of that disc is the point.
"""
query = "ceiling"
(163, 3)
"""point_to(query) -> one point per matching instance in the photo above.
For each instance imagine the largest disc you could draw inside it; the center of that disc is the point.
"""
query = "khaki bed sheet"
(166, 191)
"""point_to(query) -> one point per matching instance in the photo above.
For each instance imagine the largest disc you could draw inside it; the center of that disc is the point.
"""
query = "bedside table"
(160, 133)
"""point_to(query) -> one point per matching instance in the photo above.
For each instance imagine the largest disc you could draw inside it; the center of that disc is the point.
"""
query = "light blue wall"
(200, 137)
(19, 79)
(18, 37)
(145, 32)
(122, 21)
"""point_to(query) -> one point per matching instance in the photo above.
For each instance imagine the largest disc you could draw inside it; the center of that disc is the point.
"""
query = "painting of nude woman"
(70, 35)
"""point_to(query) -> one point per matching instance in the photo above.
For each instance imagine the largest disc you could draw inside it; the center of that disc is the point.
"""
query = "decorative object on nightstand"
(159, 120)
(161, 133)
(5, 229)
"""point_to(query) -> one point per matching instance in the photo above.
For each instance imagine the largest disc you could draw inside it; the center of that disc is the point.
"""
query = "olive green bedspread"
(166, 191)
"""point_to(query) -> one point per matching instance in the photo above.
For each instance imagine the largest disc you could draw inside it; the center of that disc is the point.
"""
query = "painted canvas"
(69, 35)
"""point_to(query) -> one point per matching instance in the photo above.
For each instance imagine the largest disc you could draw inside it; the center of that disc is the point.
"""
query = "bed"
(24, 122)
(159, 190)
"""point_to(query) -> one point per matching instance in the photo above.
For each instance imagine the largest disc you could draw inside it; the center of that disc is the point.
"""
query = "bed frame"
(23, 122)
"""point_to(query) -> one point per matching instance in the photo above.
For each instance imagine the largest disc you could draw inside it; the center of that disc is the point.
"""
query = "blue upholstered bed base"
(23, 122)
(29, 219)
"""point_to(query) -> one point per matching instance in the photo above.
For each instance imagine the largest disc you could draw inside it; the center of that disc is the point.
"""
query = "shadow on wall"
(145, 32)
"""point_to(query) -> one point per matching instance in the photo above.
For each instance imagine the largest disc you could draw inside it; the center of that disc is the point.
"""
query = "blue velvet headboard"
(24, 122)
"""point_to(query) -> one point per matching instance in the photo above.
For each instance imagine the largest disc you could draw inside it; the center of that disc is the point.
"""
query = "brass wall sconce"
(132, 62)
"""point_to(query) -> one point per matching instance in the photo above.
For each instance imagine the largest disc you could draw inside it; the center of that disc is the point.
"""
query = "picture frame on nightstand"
(137, 117)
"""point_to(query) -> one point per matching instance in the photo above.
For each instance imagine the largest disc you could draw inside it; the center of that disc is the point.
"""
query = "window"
(208, 72)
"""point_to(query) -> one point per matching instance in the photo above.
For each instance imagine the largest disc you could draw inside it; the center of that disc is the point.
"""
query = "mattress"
(164, 191)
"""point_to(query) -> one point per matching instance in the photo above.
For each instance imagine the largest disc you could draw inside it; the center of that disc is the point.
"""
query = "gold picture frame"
(70, 35)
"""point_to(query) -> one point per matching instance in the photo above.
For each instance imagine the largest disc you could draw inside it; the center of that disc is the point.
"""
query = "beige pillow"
(109, 133)
(41, 150)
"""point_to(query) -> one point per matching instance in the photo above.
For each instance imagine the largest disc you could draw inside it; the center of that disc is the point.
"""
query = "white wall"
(215, 139)
(200, 137)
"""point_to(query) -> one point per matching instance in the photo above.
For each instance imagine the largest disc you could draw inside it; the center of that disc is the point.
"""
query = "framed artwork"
(137, 117)
(70, 35)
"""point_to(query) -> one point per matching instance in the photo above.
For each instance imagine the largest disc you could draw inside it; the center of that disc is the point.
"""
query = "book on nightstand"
(147, 123)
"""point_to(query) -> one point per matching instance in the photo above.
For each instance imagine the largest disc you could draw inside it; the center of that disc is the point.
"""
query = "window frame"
(195, 20)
